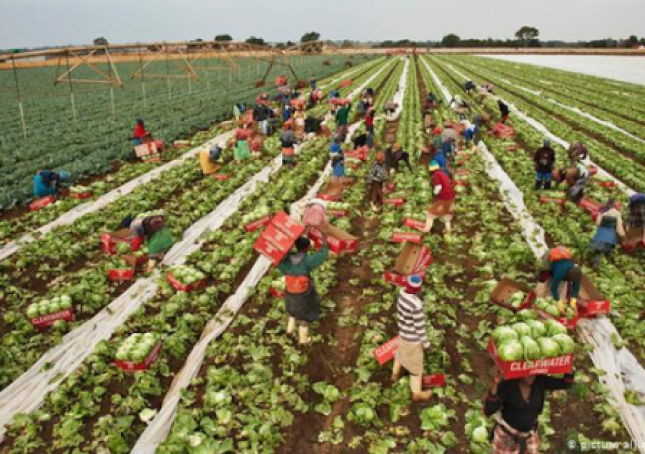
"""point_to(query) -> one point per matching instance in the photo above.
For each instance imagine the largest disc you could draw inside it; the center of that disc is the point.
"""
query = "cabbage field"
(225, 376)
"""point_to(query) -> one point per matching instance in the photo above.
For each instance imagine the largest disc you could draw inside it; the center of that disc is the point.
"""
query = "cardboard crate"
(222, 176)
(561, 201)
(591, 302)
(394, 202)
(253, 226)
(338, 213)
(120, 275)
(505, 289)
(81, 195)
(278, 237)
(43, 321)
(339, 241)
(569, 323)
(178, 285)
(633, 239)
(346, 83)
(413, 259)
(181, 143)
(402, 237)
(360, 153)
(503, 131)
(110, 240)
(414, 224)
(42, 202)
(146, 149)
(276, 293)
(332, 191)
(518, 369)
(129, 366)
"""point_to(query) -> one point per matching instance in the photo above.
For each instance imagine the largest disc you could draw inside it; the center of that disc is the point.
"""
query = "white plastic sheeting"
(27, 393)
(623, 370)
(544, 130)
(400, 92)
(81, 210)
(158, 429)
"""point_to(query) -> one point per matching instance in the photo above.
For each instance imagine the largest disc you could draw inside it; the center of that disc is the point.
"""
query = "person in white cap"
(413, 338)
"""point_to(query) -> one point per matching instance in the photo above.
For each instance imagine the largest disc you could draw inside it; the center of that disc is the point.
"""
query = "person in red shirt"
(369, 121)
(444, 204)
(139, 132)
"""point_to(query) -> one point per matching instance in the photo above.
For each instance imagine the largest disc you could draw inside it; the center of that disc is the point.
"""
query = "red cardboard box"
(433, 381)
(276, 293)
(413, 259)
(109, 241)
(129, 366)
(346, 83)
(360, 153)
(385, 352)
(591, 302)
(338, 240)
(41, 203)
(119, 275)
(183, 287)
(396, 202)
(633, 239)
(414, 224)
(253, 226)
(81, 195)
(278, 237)
(503, 131)
(49, 319)
(519, 369)
(553, 200)
(505, 289)
(332, 191)
(222, 176)
(402, 237)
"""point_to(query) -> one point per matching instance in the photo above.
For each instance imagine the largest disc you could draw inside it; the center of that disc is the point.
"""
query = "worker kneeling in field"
(557, 267)
(610, 227)
(301, 299)
(209, 159)
(521, 402)
(444, 205)
(576, 179)
(636, 212)
(413, 338)
(47, 183)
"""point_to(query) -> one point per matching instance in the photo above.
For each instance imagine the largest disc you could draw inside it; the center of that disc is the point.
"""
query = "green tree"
(223, 38)
(527, 34)
(101, 41)
(451, 40)
(309, 37)
(256, 41)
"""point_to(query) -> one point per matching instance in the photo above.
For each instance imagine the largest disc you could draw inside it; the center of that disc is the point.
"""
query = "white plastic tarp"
(623, 369)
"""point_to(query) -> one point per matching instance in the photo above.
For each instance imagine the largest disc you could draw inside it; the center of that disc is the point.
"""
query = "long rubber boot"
(547, 185)
(304, 335)
(417, 393)
(291, 326)
(538, 185)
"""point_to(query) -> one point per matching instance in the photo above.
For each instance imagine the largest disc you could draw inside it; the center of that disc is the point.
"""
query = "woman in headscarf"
(610, 227)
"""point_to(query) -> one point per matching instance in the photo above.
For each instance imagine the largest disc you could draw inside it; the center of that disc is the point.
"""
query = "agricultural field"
(84, 128)
(226, 376)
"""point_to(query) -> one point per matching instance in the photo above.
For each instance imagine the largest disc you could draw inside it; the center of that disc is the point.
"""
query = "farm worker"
(431, 102)
(361, 108)
(544, 159)
(448, 147)
(334, 94)
(337, 159)
(301, 299)
(375, 179)
(440, 158)
(577, 153)
(557, 265)
(470, 86)
(342, 118)
(390, 107)
(521, 402)
(503, 110)
(369, 121)
(47, 183)
(367, 101)
(394, 155)
(437, 140)
(610, 227)
(369, 91)
(261, 115)
(288, 141)
(413, 338)
(139, 132)
(576, 178)
(315, 213)
(312, 124)
(428, 121)
(299, 117)
(238, 110)
(469, 132)
(459, 106)
(444, 205)
(160, 240)
(286, 113)
(448, 133)
(209, 158)
(242, 150)
(636, 212)
(312, 83)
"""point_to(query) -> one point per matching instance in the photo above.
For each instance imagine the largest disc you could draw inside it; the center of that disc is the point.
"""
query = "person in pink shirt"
(444, 205)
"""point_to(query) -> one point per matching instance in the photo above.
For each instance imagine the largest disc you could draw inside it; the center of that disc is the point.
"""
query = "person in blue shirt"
(47, 182)
(286, 113)
(334, 94)
(337, 159)
(442, 161)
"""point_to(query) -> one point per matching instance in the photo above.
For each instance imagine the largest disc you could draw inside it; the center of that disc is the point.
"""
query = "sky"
(31, 23)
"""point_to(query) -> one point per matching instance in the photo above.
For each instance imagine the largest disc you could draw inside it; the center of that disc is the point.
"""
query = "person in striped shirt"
(413, 339)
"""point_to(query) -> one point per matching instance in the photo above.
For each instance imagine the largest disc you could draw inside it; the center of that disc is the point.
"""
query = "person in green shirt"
(301, 299)
(342, 119)
(160, 239)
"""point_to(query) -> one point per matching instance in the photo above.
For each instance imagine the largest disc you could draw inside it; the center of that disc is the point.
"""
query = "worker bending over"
(503, 110)
(558, 267)
(577, 153)
(636, 212)
(610, 227)
(394, 155)
(47, 182)
(444, 204)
